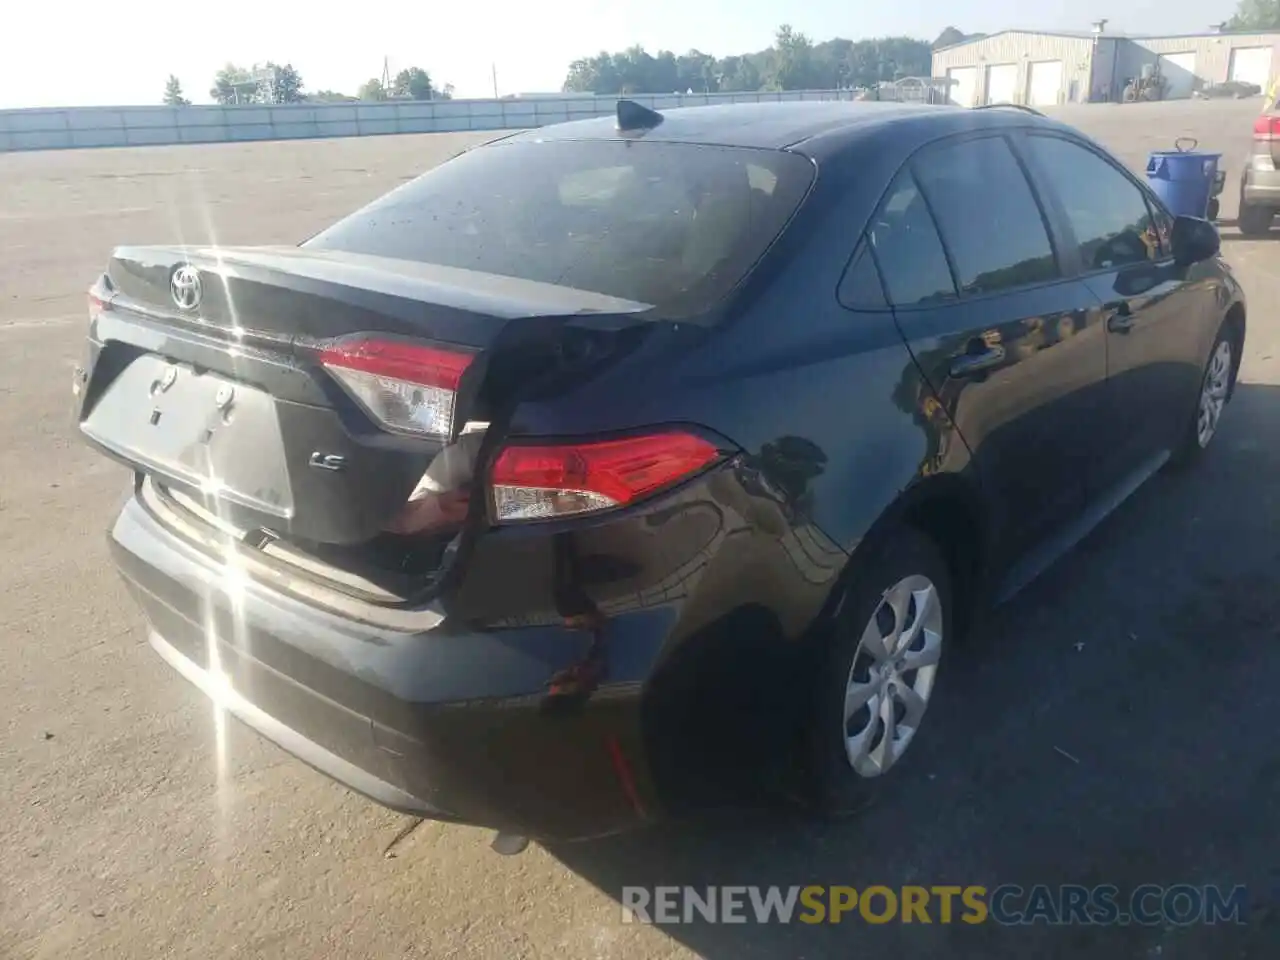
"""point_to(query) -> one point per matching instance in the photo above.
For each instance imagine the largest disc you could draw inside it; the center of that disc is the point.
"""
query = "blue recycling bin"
(1183, 178)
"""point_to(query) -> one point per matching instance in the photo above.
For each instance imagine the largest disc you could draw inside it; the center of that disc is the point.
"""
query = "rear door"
(1155, 313)
(1007, 342)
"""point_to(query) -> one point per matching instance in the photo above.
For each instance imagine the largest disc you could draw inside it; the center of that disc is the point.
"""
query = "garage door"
(1251, 65)
(1179, 69)
(1044, 83)
(1002, 83)
(965, 86)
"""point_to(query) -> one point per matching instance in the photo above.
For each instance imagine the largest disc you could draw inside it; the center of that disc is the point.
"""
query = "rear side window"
(987, 215)
(861, 289)
(672, 225)
(906, 246)
(1108, 213)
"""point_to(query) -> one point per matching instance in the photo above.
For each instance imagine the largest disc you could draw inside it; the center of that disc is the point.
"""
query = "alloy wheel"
(892, 675)
(1213, 392)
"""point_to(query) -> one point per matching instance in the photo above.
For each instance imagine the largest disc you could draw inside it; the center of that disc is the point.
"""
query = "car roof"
(809, 127)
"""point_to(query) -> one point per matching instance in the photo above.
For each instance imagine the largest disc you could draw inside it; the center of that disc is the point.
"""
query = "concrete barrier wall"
(137, 126)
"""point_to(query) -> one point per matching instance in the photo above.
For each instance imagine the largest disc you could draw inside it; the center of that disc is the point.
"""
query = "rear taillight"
(1267, 127)
(542, 482)
(407, 387)
(99, 299)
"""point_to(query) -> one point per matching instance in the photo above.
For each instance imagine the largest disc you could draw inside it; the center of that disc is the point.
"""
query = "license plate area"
(198, 429)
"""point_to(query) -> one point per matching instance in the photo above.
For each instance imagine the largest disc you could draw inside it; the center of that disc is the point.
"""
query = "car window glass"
(1164, 227)
(672, 225)
(907, 248)
(987, 215)
(860, 288)
(1107, 212)
(594, 185)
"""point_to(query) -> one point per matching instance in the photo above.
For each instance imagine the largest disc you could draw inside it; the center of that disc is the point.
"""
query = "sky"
(74, 53)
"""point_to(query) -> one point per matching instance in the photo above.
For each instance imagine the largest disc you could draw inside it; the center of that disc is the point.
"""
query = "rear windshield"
(672, 225)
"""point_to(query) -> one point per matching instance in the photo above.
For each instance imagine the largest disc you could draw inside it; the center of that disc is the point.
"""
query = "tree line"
(793, 62)
(1256, 15)
(283, 84)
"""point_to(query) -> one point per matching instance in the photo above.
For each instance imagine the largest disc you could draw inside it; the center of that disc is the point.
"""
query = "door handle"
(977, 361)
(1120, 319)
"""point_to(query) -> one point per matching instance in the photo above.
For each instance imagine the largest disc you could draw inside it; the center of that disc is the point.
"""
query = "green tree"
(739, 73)
(224, 81)
(791, 66)
(286, 84)
(329, 96)
(372, 89)
(173, 93)
(589, 75)
(414, 83)
(1256, 15)
(665, 73)
(793, 62)
(696, 71)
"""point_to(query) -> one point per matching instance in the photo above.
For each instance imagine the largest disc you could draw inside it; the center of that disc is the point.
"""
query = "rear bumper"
(308, 751)
(439, 722)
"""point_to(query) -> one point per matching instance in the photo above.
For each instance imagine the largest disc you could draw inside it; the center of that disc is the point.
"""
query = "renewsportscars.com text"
(1006, 905)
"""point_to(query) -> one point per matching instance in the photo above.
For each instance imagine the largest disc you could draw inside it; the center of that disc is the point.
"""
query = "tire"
(1217, 382)
(1214, 209)
(907, 561)
(1254, 221)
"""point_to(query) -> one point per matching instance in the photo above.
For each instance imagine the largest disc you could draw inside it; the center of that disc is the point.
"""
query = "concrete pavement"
(133, 825)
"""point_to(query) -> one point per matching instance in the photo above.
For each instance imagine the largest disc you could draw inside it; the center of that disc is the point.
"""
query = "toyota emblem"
(185, 287)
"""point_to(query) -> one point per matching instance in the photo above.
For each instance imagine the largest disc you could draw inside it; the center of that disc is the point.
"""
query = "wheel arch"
(948, 509)
(1235, 323)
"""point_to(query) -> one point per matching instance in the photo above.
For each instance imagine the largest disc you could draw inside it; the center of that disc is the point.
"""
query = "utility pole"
(494, 69)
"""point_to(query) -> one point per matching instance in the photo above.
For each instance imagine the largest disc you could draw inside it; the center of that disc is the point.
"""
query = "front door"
(1154, 315)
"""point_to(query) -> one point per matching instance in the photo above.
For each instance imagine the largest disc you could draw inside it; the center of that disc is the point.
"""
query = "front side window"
(672, 225)
(987, 215)
(1108, 213)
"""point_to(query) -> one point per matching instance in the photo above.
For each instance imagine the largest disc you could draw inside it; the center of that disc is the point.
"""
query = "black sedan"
(624, 466)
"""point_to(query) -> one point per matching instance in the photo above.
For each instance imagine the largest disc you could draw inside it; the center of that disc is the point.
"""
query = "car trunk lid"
(245, 396)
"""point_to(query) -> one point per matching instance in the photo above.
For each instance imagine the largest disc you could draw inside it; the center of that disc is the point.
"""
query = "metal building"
(1042, 69)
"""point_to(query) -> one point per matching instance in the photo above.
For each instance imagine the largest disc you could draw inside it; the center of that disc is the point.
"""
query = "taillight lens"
(407, 387)
(541, 482)
(99, 299)
(1267, 127)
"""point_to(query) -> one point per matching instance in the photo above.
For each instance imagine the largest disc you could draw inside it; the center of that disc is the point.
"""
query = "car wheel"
(1214, 209)
(1215, 390)
(879, 670)
(1254, 221)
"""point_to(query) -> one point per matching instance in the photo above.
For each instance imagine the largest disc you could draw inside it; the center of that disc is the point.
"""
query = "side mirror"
(1194, 240)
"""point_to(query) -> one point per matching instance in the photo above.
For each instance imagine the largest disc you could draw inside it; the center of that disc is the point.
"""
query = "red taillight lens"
(1266, 127)
(540, 482)
(406, 387)
(99, 300)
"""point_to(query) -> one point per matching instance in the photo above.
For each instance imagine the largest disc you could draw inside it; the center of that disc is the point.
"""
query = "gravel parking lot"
(1149, 656)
